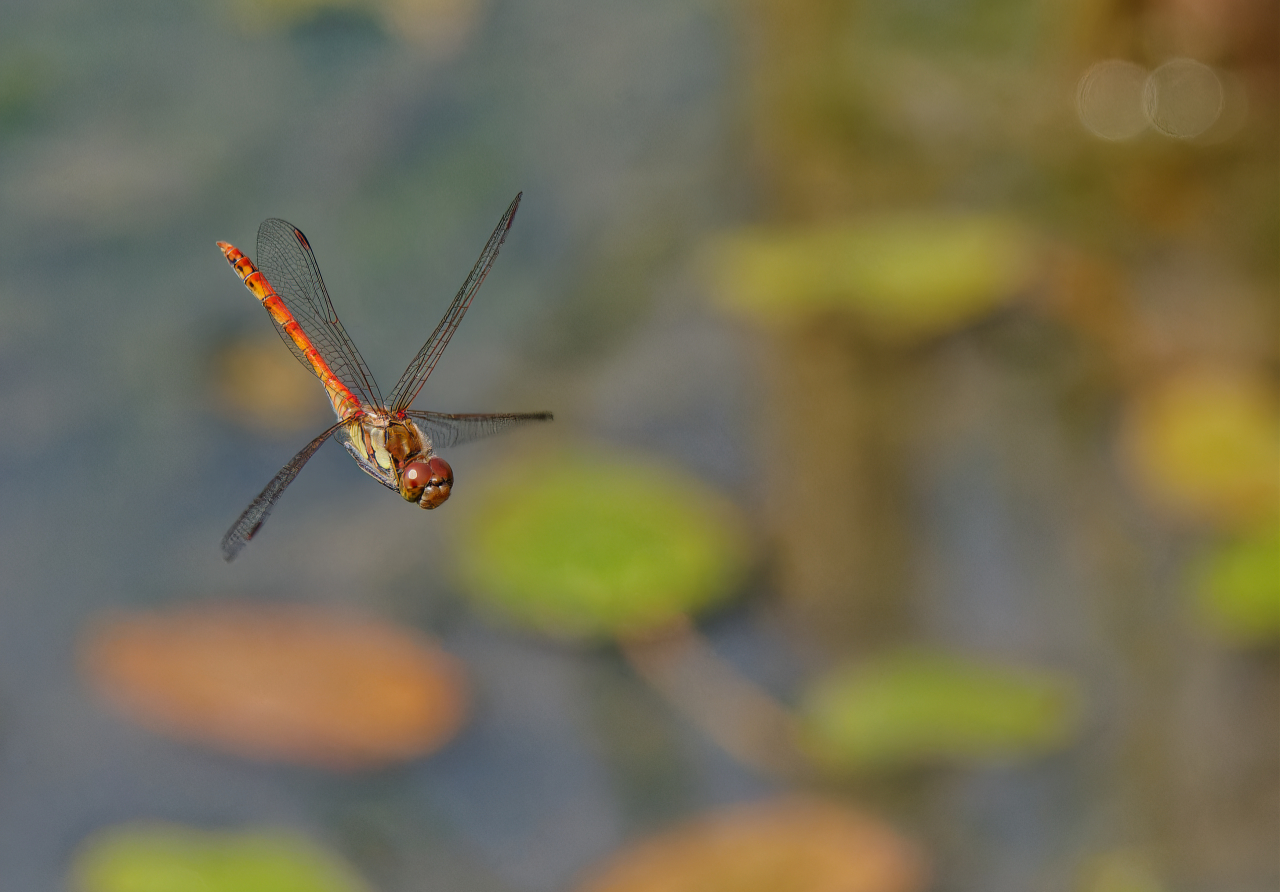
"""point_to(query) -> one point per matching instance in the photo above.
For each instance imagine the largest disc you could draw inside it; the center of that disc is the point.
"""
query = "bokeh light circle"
(1183, 98)
(1109, 99)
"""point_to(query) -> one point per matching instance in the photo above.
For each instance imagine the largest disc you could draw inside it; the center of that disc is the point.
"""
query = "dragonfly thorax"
(398, 453)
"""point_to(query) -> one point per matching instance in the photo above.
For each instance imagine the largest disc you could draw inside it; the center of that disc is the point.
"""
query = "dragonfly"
(391, 442)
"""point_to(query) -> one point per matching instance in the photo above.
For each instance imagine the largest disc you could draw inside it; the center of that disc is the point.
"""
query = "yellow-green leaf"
(918, 706)
(173, 858)
(1205, 443)
(1121, 870)
(900, 275)
(588, 544)
(1238, 588)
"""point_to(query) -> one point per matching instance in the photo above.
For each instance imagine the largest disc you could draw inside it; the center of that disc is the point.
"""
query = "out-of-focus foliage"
(280, 683)
(1206, 443)
(437, 25)
(583, 543)
(24, 79)
(791, 845)
(172, 858)
(901, 276)
(918, 706)
(984, 250)
(259, 384)
(1122, 870)
(1238, 588)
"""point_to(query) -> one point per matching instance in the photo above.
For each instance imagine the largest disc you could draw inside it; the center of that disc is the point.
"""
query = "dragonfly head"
(426, 481)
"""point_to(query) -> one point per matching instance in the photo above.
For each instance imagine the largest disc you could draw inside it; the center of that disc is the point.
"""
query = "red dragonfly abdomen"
(344, 402)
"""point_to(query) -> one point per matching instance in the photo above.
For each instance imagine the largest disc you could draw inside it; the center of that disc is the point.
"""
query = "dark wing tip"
(230, 548)
(276, 223)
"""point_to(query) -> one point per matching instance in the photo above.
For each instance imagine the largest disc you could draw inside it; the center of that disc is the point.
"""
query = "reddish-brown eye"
(416, 474)
(427, 482)
(433, 472)
(440, 482)
(440, 470)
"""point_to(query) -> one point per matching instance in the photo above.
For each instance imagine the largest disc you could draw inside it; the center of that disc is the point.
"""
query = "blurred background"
(909, 518)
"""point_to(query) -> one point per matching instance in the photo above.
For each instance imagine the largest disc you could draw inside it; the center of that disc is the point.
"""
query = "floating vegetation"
(281, 683)
(789, 845)
(579, 543)
(901, 276)
(1237, 588)
(258, 383)
(916, 706)
(1205, 444)
(174, 858)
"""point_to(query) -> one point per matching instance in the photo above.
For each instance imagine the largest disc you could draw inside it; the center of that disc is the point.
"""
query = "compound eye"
(416, 475)
(435, 471)
(439, 483)
(441, 473)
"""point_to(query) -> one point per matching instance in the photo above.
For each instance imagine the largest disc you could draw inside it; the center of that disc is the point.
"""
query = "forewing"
(285, 258)
(246, 527)
(416, 374)
(453, 430)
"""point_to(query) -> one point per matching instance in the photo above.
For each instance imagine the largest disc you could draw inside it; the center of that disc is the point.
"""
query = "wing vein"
(410, 383)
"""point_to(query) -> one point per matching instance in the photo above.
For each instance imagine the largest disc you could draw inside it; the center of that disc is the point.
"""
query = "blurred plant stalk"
(742, 718)
(847, 311)
(855, 112)
(838, 511)
(846, 301)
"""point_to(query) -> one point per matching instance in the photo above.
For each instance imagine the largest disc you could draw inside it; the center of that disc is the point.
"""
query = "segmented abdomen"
(344, 402)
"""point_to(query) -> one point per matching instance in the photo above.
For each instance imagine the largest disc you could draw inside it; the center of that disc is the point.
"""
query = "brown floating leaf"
(257, 382)
(287, 683)
(791, 845)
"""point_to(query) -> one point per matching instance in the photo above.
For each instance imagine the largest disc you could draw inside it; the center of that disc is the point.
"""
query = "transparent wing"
(285, 258)
(246, 526)
(453, 430)
(415, 375)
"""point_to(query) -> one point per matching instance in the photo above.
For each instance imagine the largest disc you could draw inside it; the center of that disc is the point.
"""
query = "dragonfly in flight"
(391, 442)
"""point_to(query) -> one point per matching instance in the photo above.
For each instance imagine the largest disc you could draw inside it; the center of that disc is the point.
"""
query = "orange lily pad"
(789, 845)
(287, 683)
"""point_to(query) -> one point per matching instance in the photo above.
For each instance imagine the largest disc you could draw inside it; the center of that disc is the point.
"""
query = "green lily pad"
(916, 707)
(588, 544)
(1238, 589)
(901, 275)
(173, 858)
